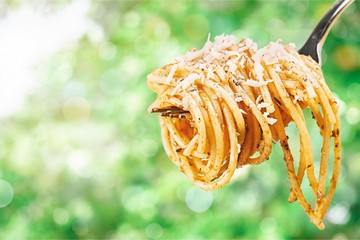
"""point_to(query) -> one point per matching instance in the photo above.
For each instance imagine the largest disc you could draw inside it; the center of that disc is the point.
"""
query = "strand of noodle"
(265, 94)
(337, 140)
(199, 124)
(190, 147)
(206, 131)
(337, 164)
(305, 141)
(198, 166)
(326, 127)
(325, 148)
(300, 176)
(202, 169)
(265, 152)
(156, 83)
(323, 168)
(186, 167)
(295, 180)
(304, 135)
(334, 108)
(267, 98)
(211, 96)
(245, 73)
(303, 166)
(252, 134)
(322, 97)
(233, 154)
(246, 146)
(301, 169)
(316, 114)
(208, 97)
(166, 143)
(292, 174)
(219, 141)
(179, 140)
(240, 123)
(255, 134)
(246, 152)
(323, 165)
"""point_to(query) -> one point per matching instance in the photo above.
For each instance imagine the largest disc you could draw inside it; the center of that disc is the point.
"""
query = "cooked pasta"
(224, 105)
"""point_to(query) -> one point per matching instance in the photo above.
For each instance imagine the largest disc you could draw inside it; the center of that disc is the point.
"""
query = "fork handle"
(313, 45)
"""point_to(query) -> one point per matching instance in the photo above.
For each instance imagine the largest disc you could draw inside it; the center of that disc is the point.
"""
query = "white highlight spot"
(27, 38)
(340, 236)
(80, 163)
(61, 216)
(198, 200)
(6, 193)
(132, 19)
(154, 230)
(107, 51)
(339, 214)
(268, 225)
(353, 115)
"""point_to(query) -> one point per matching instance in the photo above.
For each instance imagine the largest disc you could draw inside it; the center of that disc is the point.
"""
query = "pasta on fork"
(222, 107)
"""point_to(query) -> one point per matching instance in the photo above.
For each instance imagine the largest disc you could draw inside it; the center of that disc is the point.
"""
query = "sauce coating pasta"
(235, 100)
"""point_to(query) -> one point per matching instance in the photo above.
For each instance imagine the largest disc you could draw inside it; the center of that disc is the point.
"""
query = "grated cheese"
(221, 73)
(262, 105)
(232, 66)
(254, 83)
(171, 73)
(188, 80)
(185, 102)
(269, 120)
(238, 97)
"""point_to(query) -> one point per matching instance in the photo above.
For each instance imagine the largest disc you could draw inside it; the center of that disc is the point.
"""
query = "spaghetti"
(235, 100)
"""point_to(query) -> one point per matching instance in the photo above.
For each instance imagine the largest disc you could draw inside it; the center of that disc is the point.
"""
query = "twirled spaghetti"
(236, 100)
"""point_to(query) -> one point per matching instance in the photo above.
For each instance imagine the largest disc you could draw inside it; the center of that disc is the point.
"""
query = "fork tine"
(168, 110)
(174, 115)
(173, 112)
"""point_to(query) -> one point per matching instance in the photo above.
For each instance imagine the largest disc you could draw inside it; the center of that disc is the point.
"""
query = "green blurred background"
(80, 157)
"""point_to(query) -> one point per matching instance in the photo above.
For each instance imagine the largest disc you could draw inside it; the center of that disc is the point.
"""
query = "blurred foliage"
(84, 158)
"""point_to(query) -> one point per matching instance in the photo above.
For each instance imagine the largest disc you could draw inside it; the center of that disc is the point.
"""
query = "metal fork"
(313, 45)
(312, 48)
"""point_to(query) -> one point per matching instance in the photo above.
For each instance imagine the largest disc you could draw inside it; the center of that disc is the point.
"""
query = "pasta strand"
(237, 100)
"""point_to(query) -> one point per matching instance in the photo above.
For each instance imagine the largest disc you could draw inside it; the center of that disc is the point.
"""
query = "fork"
(313, 45)
(312, 48)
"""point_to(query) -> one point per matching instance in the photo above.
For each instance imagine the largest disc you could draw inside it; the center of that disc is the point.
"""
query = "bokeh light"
(198, 200)
(7, 193)
(80, 156)
(339, 214)
(154, 230)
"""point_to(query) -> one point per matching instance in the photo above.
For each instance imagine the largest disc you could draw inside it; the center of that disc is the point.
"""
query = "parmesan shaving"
(171, 74)
(238, 97)
(184, 84)
(269, 120)
(221, 73)
(254, 83)
(185, 102)
(232, 66)
(262, 105)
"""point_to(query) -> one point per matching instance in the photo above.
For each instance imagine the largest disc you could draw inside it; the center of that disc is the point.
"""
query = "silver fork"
(313, 45)
(312, 48)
